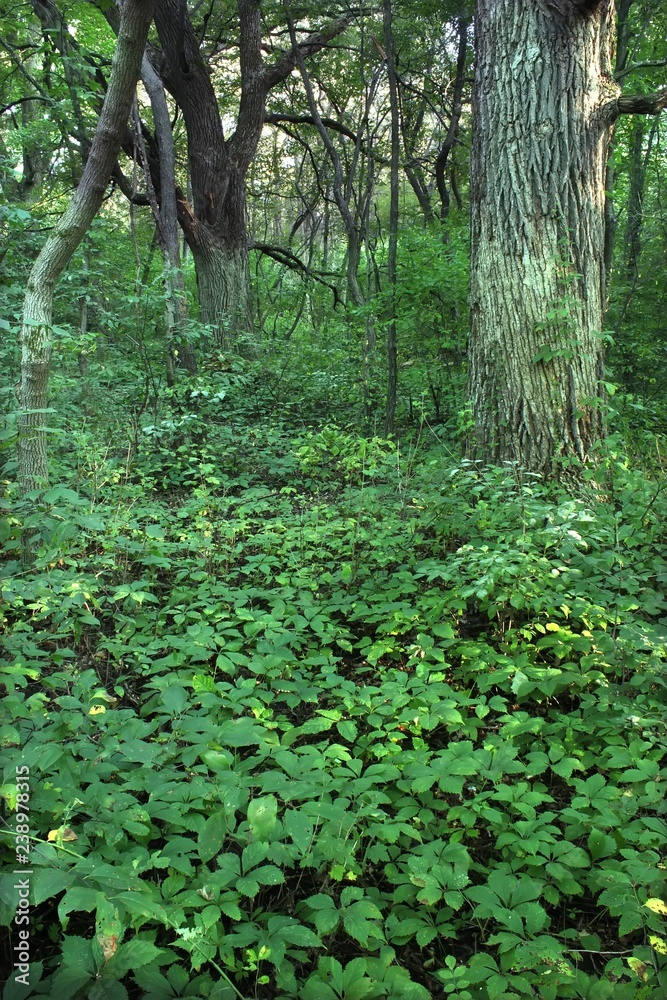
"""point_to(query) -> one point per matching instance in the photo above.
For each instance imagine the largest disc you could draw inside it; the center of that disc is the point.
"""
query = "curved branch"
(276, 118)
(294, 263)
(647, 64)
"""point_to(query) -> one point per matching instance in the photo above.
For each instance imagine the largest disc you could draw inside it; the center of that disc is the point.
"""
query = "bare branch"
(640, 65)
(276, 118)
(289, 259)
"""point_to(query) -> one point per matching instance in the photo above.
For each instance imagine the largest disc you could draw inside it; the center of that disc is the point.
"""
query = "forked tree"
(215, 223)
(545, 103)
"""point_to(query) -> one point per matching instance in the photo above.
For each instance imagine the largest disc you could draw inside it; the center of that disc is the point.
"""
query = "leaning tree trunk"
(68, 233)
(543, 107)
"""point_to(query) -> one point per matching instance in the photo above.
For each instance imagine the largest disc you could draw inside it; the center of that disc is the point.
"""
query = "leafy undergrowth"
(308, 716)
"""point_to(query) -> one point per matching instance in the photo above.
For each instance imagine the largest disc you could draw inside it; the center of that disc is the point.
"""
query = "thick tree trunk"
(223, 278)
(68, 233)
(544, 103)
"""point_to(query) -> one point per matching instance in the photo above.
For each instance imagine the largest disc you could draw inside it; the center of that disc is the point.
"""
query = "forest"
(333, 531)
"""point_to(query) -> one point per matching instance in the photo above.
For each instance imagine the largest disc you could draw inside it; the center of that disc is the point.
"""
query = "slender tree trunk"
(444, 156)
(639, 157)
(610, 219)
(68, 233)
(36, 158)
(392, 372)
(83, 319)
(166, 221)
(543, 100)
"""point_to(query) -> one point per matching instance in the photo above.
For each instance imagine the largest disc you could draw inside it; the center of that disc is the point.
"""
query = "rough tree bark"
(61, 244)
(215, 224)
(544, 105)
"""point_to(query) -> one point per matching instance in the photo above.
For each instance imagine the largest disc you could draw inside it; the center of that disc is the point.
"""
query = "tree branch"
(281, 69)
(642, 104)
(126, 187)
(289, 259)
(648, 64)
(276, 118)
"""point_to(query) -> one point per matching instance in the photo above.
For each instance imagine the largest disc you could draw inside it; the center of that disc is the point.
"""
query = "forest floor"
(311, 715)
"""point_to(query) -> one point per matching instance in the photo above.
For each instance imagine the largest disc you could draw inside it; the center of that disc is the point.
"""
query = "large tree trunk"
(223, 278)
(219, 247)
(68, 233)
(543, 100)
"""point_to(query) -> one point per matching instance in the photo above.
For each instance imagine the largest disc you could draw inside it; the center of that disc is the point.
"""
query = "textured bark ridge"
(537, 288)
(566, 8)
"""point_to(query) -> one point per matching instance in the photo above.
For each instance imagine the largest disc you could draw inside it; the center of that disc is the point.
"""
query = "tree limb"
(289, 259)
(281, 69)
(276, 118)
(642, 104)
(648, 64)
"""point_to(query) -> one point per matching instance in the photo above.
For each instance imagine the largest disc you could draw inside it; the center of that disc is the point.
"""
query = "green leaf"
(77, 969)
(20, 991)
(347, 730)
(107, 989)
(262, 816)
(268, 875)
(630, 921)
(133, 954)
(216, 760)
(175, 699)
(300, 829)
(138, 751)
(247, 887)
(77, 898)
(49, 882)
(299, 935)
(212, 836)
(240, 733)
(315, 989)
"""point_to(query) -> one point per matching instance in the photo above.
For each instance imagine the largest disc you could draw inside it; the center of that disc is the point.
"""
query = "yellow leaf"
(97, 710)
(658, 944)
(657, 906)
(639, 968)
(62, 834)
(552, 627)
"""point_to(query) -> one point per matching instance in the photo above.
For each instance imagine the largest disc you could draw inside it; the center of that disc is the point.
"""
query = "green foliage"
(312, 715)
